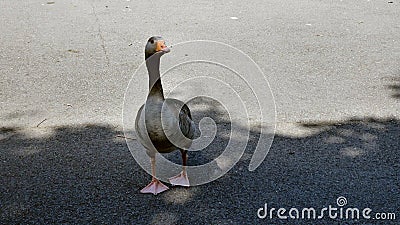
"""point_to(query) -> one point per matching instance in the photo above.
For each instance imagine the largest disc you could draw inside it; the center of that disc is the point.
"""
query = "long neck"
(155, 86)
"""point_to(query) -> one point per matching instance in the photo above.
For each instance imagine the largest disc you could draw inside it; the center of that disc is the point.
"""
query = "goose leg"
(182, 178)
(155, 185)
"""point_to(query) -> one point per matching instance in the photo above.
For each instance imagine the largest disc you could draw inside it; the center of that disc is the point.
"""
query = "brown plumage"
(162, 125)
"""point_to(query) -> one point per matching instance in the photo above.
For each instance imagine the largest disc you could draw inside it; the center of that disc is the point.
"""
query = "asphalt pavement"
(333, 69)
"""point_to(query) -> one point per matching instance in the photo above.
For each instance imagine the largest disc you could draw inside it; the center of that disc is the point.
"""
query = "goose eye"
(152, 41)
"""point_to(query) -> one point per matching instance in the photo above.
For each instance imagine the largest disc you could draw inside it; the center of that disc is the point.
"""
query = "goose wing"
(186, 124)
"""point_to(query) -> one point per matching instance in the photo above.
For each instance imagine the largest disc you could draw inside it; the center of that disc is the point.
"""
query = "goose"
(162, 125)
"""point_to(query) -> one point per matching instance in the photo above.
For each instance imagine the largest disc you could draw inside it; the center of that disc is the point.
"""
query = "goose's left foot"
(180, 179)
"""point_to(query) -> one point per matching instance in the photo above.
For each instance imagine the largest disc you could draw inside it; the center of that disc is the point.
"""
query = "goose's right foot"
(154, 187)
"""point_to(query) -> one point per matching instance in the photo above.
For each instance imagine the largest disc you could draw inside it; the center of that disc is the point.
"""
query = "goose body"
(176, 121)
(162, 125)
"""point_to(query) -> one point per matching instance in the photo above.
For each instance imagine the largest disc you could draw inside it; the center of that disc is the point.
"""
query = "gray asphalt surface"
(333, 68)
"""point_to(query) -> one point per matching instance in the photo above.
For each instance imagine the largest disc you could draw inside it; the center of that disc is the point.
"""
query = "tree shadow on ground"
(86, 174)
(395, 87)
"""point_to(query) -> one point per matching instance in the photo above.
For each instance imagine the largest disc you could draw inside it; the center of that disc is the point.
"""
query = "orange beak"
(160, 46)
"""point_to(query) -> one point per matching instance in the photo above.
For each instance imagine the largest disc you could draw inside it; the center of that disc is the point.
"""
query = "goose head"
(155, 46)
